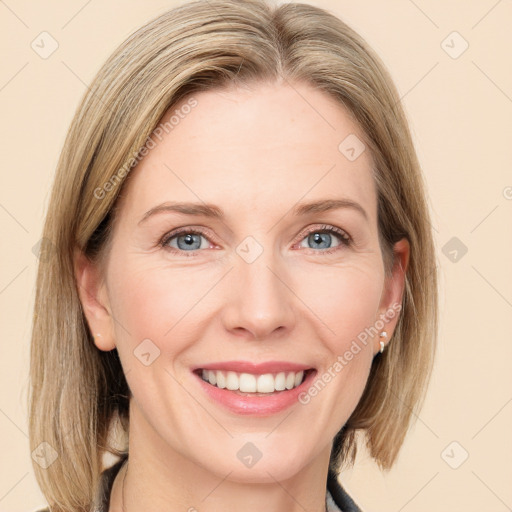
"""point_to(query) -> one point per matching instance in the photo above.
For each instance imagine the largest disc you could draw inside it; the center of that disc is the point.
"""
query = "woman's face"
(246, 242)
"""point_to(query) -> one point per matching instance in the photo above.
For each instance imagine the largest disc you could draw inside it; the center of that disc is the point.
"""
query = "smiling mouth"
(254, 384)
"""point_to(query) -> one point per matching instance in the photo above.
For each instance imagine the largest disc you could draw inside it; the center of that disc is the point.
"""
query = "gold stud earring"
(383, 334)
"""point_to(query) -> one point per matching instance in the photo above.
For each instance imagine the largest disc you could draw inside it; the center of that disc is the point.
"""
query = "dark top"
(336, 498)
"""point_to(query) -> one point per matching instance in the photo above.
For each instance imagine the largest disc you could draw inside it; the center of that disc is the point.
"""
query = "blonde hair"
(77, 391)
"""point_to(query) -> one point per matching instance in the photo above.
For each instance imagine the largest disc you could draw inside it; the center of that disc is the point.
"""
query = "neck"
(158, 478)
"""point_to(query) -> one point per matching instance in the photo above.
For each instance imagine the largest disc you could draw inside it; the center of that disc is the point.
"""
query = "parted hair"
(78, 393)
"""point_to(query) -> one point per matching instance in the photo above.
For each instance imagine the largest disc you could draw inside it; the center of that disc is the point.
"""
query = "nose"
(260, 303)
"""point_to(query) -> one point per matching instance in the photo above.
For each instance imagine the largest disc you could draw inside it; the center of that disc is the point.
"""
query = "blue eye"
(186, 240)
(322, 238)
(327, 239)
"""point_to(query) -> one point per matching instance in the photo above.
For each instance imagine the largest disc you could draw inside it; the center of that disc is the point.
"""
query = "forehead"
(266, 146)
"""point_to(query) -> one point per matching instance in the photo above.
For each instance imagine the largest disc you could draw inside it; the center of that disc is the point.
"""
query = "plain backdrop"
(451, 61)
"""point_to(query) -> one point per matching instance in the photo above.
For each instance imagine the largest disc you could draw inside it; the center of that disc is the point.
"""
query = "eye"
(185, 240)
(188, 241)
(327, 238)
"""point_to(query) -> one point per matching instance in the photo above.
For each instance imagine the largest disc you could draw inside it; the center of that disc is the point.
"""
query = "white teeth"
(280, 381)
(232, 381)
(266, 383)
(221, 380)
(247, 383)
(290, 381)
(250, 383)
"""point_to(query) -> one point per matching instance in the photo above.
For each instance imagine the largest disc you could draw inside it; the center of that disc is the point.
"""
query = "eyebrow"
(212, 211)
(206, 210)
(329, 204)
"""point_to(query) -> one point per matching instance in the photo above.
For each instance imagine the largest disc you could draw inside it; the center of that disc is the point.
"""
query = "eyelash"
(344, 237)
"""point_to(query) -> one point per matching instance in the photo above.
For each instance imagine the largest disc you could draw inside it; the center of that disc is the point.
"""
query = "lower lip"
(261, 405)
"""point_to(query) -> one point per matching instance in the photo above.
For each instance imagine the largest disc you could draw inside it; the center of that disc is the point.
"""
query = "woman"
(242, 276)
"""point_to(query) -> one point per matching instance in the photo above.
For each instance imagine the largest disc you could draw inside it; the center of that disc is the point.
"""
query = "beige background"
(460, 111)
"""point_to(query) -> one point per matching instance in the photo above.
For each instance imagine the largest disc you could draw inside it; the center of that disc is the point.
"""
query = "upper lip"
(255, 368)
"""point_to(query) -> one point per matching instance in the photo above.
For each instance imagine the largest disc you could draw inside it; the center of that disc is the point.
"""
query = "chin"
(266, 464)
(261, 473)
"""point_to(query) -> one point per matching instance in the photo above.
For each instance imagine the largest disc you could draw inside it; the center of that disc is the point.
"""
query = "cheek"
(162, 304)
(155, 301)
(345, 298)
(348, 307)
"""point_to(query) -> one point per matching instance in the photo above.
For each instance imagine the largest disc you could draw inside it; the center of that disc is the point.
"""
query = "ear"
(391, 300)
(94, 298)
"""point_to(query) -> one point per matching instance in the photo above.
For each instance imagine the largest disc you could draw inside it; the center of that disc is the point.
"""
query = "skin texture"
(254, 152)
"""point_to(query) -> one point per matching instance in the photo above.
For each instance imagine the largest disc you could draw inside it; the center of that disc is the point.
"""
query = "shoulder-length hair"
(77, 391)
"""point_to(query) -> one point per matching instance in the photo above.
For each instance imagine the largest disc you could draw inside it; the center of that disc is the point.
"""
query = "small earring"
(97, 335)
(383, 334)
